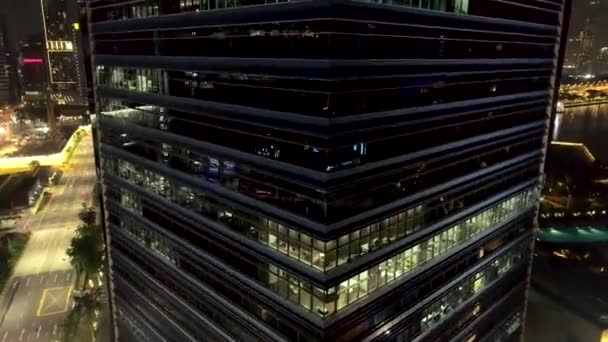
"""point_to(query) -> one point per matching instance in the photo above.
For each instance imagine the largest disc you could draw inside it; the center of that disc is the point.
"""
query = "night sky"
(581, 10)
(24, 17)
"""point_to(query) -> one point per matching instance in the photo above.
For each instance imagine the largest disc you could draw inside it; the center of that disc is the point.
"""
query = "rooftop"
(574, 234)
(571, 153)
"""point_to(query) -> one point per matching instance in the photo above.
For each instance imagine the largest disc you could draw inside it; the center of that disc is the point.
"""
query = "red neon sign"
(32, 60)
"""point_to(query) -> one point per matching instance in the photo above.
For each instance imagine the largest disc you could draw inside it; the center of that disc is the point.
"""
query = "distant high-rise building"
(83, 37)
(60, 18)
(571, 57)
(33, 74)
(5, 67)
(602, 60)
(585, 52)
(322, 170)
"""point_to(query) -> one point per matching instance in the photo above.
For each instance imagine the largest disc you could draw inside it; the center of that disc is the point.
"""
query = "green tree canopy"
(86, 249)
(34, 164)
(87, 214)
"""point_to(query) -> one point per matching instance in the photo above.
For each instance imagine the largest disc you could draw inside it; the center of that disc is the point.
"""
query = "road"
(42, 282)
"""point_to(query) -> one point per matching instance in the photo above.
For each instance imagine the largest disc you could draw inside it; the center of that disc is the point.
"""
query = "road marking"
(27, 282)
(54, 293)
(41, 279)
(21, 335)
(67, 278)
(41, 302)
(38, 332)
(54, 329)
(55, 278)
(5, 335)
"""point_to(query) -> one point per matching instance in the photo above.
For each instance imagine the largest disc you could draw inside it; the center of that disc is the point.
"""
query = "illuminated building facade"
(5, 67)
(584, 61)
(62, 46)
(602, 60)
(33, 74)
(322, 170)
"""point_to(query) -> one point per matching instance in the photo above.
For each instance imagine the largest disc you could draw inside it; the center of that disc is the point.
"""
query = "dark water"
(588, 125)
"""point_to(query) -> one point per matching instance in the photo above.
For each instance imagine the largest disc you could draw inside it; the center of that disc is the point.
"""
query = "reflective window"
(151, 7)
(130, 200)
(348, 200)
(326, 99)
(101, 11)
(259, 309)
(321, 255)
(307, 151)
(391, 269)
(454, 298)
(334, 299)
(542, 12)
(145, 115)
(144, 80)
(340, 39)
(127, 10)
(461, 6)
(151, 240)
(190, 294)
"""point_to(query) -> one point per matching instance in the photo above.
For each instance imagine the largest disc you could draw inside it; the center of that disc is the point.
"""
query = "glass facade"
(321, 255)
(492, 271)
(288, 171)
(326, 302)
(312, 97)
(64, 62)
(348, 200)
(335, 38)
(151, 7)
(545, 12)
(392, 269)
(471, 286)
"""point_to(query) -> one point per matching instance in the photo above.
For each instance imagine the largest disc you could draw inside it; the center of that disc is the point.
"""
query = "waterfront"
(588, 125)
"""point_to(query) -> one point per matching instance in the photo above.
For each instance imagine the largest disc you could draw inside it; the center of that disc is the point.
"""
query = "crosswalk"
(50, 278)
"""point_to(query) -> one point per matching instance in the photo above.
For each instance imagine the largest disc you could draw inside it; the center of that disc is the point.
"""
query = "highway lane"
(74, 188)
(43, 278)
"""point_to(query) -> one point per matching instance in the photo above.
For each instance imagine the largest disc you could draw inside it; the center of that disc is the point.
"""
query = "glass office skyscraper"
(60, 26)
(5, 66)
(322, 170)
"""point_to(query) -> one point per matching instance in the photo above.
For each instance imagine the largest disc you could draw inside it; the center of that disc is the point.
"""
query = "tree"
(86, 250)
(83, 314)
(4, 253)
(86, 253)
(70, 325)
(34, 164)
(88, 304)
(88, 214)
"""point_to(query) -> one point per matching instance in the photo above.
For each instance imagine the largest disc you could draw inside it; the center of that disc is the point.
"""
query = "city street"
(39, 293)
